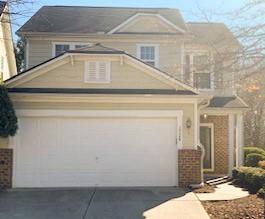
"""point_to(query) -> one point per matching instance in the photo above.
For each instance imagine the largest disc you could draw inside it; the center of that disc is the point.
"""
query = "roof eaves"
(180, 83)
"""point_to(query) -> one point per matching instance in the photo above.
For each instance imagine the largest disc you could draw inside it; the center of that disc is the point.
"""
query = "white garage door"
(68, 151)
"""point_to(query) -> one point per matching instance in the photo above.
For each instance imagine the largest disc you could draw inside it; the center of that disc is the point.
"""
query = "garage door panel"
(65, 152)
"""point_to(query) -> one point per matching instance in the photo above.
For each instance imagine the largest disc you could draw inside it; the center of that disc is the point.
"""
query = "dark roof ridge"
(113, 7)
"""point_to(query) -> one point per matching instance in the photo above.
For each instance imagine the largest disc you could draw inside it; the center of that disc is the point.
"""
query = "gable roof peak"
(89, 20)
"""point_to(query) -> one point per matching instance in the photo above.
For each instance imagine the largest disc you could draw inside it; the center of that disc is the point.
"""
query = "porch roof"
(231, 102)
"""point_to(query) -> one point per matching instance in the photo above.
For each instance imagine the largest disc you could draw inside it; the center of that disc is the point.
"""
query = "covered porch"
(221, 135)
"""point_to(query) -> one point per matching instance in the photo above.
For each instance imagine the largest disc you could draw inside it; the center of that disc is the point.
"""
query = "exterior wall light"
(188, 123)
(205, 116)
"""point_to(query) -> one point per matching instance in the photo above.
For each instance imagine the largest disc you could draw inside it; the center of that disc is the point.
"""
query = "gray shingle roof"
(212, 33)
(85, 20)
(2, 6)
(227, 102)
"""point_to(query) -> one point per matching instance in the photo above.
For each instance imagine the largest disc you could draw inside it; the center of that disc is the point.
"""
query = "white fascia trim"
(222, 111)
(158, 72)
(133, 60)
(100, 113)
(145, 14)
(99, 98)
(196, 125)
(210, 125)
(27, 53)
(18, 77)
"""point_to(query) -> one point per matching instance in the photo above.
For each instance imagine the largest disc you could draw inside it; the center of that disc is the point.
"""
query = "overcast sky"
(190, 9)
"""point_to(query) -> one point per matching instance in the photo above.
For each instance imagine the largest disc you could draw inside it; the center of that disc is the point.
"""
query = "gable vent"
(97, 72)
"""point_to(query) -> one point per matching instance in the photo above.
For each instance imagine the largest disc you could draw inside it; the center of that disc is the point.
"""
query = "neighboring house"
(115, 97)
(7, 55)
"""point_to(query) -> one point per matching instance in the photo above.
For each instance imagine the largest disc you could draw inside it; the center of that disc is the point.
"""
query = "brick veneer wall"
(220, 143)
(6, 163)
(189, 161)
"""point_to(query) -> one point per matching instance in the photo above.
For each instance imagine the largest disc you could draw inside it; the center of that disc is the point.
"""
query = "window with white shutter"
(97, 72)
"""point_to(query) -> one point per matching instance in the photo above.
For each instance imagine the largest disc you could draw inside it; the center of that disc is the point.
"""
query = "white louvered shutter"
(97, 72)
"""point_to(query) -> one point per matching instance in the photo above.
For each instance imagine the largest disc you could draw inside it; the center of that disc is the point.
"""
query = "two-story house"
(7, 56)
(124, 97)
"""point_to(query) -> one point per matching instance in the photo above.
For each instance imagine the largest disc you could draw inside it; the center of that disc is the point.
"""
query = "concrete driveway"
(107, 203)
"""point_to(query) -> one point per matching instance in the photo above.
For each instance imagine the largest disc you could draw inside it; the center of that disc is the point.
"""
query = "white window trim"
(108, 69)
(156, 52)
(192, 72)
(71, 45)
(211, 126)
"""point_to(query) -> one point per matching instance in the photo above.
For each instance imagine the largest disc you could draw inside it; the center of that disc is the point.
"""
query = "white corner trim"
(27, 53)
(179, 139)
(145, 14)
(196, 124)
(156, 46)
(231, 142)
(211, 126)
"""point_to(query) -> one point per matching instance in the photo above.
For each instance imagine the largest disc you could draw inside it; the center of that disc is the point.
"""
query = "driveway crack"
(89, 203)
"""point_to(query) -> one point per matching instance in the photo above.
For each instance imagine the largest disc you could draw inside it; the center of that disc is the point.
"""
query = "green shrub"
(8, 119)
(253, 159)
(251, 150)
(261, 192)
(251, 177)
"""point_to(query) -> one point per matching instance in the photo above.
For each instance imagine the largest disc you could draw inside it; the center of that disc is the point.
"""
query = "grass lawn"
(250, 207)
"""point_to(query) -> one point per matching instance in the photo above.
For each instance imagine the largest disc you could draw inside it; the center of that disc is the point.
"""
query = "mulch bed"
(250, 207)
(205, 189)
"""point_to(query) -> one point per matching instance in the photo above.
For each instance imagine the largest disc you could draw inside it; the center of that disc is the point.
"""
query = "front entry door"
(206, 138)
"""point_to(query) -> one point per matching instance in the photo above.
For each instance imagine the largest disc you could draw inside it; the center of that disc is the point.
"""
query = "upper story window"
(198, 71)
(148, 53)
(61, 47)
(97, 72)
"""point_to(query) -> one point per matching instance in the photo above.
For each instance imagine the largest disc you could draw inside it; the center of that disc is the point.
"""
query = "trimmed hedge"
(251, 150)
(253, 159)
(251, 177)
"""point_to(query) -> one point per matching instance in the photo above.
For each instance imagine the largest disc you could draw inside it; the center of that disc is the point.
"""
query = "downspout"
(201, 147)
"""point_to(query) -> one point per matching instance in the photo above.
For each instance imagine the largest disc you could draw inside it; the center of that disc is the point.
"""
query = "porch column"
(239, 139)
(231, 143)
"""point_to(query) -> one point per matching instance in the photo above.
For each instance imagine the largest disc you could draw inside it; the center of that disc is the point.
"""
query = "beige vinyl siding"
(72, 76)
(4, 142)
(169, 52)
(188, 138)
(38, 52)
(147, 24)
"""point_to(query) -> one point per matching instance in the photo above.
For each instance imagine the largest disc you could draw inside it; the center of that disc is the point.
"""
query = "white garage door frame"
(177, 114)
